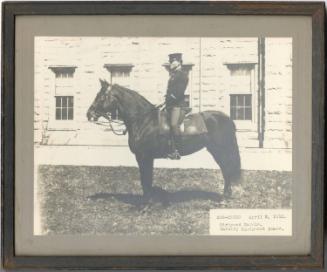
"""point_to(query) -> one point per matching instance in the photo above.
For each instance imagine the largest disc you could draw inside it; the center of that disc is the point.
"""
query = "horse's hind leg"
(222, 144)
(146, 174)
(225, 169)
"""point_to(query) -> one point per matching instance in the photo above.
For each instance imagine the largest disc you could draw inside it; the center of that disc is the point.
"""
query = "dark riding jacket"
(176, 88)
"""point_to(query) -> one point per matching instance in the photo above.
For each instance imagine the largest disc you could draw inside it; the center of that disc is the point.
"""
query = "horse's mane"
(135, 96)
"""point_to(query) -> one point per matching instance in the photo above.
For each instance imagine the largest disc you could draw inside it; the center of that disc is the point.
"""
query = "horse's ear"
(105, 83)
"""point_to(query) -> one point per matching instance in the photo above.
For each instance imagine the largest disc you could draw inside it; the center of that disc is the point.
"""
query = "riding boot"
(177, 141)
(174, 154)
(174, 117)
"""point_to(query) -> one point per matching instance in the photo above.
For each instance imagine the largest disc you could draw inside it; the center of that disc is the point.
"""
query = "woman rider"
(177, 84)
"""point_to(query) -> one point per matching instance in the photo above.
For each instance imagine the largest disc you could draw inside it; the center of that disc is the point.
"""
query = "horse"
(147, 143)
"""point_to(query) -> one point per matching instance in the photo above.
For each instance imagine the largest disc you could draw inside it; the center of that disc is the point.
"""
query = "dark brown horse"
(147, 143)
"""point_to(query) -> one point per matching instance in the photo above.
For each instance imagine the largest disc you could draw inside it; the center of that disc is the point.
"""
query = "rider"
(177, 84)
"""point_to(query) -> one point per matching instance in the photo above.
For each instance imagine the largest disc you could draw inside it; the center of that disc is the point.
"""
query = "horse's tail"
(235, 156)
(223, 144)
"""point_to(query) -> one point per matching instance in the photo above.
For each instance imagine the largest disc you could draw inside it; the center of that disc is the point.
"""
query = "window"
(241, 77)
(242, 94)
(121, 73)
(64, 107)
(64, 74)
(64, 80)
(63, 71)
(241, 106)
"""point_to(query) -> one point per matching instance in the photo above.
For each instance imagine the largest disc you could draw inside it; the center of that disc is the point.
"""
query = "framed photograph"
(163, 135)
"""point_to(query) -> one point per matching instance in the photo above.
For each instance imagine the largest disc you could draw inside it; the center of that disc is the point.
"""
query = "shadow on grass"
(160, 195)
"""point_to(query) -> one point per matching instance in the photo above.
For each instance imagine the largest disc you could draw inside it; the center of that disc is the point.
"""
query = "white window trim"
(125, 70)
(59, 125)
(55, 124)
(248, 125)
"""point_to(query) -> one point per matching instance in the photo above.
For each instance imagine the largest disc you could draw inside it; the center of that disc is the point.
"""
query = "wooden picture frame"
(12, 10)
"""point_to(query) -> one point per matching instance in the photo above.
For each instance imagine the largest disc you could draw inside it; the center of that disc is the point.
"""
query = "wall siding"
(209, 87)
(278, 131)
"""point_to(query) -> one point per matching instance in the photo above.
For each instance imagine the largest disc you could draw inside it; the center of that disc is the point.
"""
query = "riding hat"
(175, 57)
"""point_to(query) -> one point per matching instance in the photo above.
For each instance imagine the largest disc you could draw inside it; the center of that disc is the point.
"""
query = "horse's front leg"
(146, 174)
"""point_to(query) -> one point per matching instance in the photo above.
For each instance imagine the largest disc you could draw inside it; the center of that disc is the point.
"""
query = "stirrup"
(174, 155)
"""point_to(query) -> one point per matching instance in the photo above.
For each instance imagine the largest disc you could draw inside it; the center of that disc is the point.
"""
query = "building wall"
(278, 132)
(211, 82)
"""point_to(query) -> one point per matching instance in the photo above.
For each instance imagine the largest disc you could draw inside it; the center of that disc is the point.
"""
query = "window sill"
(62, 125)
(61, 129)
(245, 125)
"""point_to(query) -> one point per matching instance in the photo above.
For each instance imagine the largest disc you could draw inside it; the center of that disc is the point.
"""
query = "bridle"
(122, 132)
(107, 116)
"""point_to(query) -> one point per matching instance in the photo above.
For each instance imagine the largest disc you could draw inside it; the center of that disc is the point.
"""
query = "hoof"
(156, 195)
(157, 190)
(227, 192)
(147, 197)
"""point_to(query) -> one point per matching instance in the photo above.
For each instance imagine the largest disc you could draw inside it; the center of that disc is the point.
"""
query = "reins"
(115, 131)
(110, 121)
(124, 131)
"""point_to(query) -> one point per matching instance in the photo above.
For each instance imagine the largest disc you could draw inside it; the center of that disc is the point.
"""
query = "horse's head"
(103, 103)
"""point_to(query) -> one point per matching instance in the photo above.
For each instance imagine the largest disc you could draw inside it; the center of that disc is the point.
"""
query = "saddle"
(190, 124)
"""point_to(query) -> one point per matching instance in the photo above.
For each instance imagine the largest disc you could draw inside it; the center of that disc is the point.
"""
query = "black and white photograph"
(162, 135)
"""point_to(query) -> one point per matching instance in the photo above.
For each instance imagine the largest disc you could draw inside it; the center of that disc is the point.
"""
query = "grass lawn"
(104, 200)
